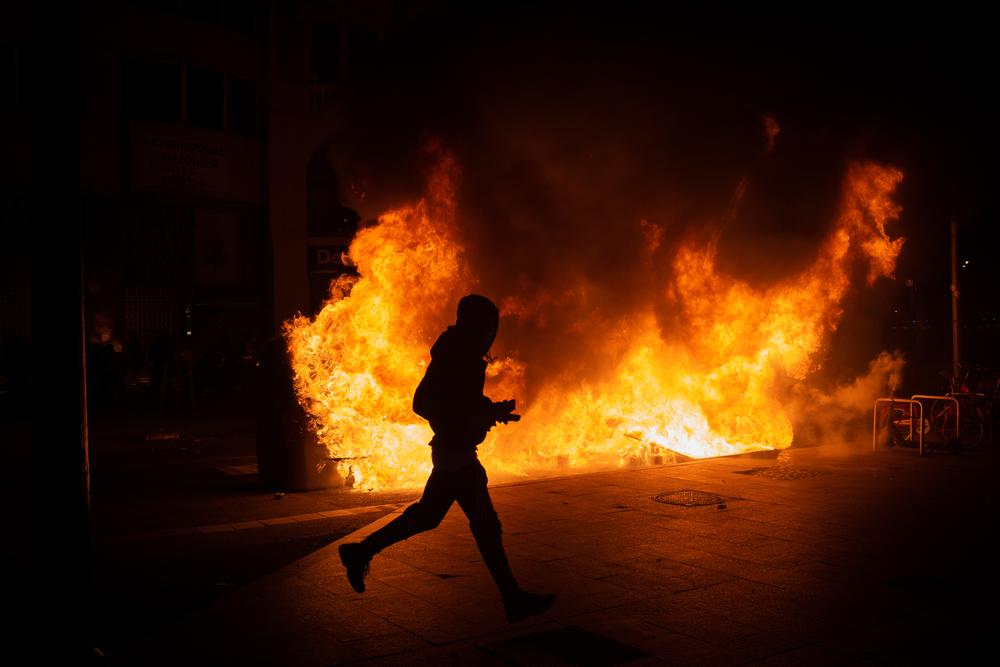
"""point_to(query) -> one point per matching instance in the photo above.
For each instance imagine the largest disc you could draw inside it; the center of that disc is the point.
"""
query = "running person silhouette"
(450, 397)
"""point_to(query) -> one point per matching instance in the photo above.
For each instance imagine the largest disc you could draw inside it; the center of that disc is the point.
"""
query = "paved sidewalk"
(817, 556)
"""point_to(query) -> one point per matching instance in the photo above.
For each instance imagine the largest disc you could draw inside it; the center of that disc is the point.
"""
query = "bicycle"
(954, 419)
(973, 408)
(980, 388)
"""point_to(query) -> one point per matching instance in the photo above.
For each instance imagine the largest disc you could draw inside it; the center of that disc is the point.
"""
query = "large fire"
(713, 384)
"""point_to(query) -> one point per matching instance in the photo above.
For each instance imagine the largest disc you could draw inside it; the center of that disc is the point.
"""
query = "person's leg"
(422, 515)
(425, 514)
(474, 499)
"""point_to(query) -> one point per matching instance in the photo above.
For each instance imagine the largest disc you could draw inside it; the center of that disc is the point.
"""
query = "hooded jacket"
(450, 395)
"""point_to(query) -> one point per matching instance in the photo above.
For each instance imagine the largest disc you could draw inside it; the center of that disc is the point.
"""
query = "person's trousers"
(467, 486)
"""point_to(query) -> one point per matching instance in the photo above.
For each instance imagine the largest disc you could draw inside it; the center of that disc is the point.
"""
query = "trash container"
(289, 458)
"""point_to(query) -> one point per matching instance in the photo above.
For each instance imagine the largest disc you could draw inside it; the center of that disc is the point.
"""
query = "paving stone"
(821, 570)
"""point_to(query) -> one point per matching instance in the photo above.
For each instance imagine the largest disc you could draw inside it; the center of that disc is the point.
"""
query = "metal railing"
(916, 400)
(909, 401)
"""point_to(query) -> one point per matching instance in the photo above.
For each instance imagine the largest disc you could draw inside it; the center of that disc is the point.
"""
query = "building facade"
(15, 203)
(216, 163)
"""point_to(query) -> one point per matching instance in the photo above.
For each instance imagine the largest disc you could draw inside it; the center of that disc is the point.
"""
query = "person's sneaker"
(356, 560)
(524, 604)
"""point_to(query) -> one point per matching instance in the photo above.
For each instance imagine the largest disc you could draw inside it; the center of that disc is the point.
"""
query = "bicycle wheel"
(942, 416)
(971, 425)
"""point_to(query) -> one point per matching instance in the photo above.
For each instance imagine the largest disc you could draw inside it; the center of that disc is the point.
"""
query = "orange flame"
(713, 386)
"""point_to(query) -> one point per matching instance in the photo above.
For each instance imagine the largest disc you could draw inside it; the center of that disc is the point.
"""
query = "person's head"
(478, 319)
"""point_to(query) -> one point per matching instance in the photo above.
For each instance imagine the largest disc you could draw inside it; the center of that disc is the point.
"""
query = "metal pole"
(954, 301)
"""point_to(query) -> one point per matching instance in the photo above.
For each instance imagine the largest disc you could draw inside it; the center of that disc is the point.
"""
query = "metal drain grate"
(689, 498)
(781, 472)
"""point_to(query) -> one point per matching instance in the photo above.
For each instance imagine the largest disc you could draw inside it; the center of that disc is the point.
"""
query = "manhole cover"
(781, 472)
(688, 498)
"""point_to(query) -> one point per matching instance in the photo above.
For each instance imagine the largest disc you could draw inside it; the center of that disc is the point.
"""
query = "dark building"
(214, 144)
(15, 198)
(176, 249)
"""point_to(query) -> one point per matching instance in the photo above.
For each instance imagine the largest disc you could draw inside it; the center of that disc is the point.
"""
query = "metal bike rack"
(958, 421)
(909, 401)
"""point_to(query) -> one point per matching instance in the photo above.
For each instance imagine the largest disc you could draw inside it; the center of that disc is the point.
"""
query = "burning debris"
(711, 381)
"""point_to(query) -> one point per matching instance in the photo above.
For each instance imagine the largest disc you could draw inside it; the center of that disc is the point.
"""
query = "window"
(325, 52)
(15, 238)
(325, 214)
(8, 77)
(240, 15)
(152, 91)
(242, 106)
(205, 98)
(156, 5)
(362, 50)
(23, 72)
(207, 10)
(236, 14)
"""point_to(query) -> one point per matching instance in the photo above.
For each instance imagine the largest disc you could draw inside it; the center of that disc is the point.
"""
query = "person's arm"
(503, 411)
(448, 394)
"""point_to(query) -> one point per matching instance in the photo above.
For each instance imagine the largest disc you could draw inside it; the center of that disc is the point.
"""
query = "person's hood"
(474, 331)
(479, 318)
